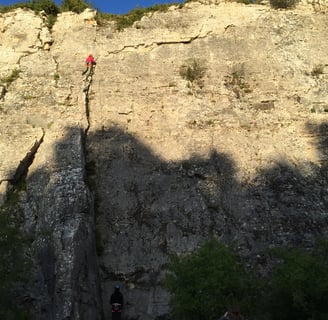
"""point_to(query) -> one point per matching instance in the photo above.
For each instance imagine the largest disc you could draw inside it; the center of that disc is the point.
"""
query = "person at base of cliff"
(232, 314)
(90, 62)
(116, 301)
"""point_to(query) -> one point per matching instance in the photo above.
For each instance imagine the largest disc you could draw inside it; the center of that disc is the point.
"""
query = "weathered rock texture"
(43, 126)
(240, 153)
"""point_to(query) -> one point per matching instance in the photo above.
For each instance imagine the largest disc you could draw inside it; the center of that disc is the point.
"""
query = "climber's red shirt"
(90, 60)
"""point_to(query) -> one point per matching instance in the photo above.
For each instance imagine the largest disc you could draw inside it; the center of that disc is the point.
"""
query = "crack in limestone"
(155, 44)
(3, 191)
(86, 90)
(56, 74)
(24, 164)
(3, 91)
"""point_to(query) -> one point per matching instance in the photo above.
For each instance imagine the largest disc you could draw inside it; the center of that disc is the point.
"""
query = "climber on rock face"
(116, 300)
(90, 63)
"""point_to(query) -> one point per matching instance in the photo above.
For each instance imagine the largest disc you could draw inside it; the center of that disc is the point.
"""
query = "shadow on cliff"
(148, 208)
(59, 216)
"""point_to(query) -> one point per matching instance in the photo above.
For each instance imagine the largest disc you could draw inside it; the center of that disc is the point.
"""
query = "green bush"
(127, 20)
(51, 19)
(207, 282)
(193, 70)
(14, 265)
(48, 6)
(246, 1)
(299, 285)
(8, 79)
(283, 4)
(236, 81)
(317, 70)
(77, 6)
(5, 9)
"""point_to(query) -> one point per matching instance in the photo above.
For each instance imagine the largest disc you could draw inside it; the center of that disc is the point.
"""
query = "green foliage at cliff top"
(127, 20)
(49, 6)
(122, 21)
(37, 5)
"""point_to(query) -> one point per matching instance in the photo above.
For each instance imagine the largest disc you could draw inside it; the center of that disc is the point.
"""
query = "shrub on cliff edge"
(77, 6)
(283, 4)
(48, 6)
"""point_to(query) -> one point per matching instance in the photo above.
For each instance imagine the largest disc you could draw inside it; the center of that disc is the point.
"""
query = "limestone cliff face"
(43, 128)
(239, 153)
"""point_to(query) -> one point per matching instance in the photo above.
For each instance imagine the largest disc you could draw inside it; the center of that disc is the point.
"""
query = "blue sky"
(111, 6)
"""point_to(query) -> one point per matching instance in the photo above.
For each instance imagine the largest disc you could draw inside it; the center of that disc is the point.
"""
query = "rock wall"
(317, 5)
(231, 156)
(152, 163)
(43, 128)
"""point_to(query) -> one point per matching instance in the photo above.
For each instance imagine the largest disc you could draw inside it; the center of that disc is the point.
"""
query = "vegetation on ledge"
(122, 21)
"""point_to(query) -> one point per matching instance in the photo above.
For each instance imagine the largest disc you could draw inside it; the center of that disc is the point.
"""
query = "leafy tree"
(77, 6)
(205, 283)
(13, 262)
(299, 286)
